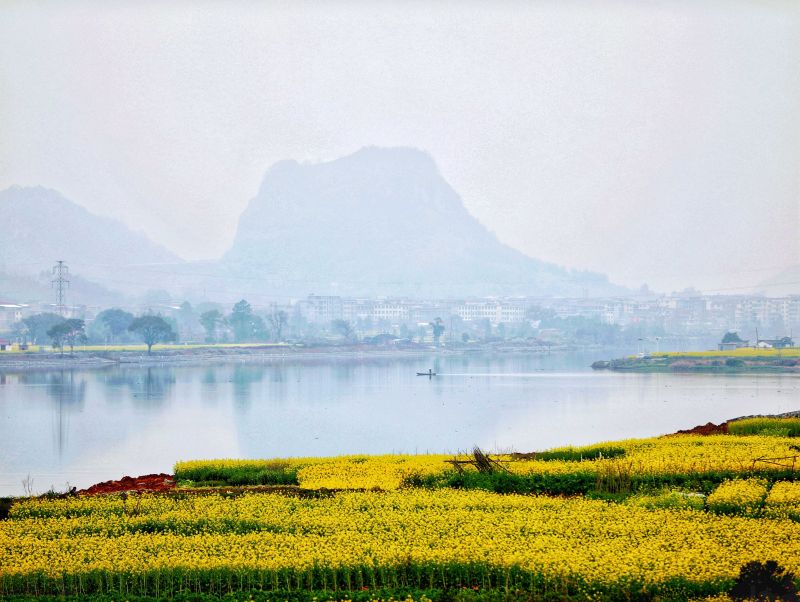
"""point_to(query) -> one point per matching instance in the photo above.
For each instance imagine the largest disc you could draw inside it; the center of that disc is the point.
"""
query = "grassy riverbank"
(140, 348)
(165, 355)
(722, 362)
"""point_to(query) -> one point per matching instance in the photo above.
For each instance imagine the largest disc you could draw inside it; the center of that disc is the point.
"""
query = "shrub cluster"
(261, 473)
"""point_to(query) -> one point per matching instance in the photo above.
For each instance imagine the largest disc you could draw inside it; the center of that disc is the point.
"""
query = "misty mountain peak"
(369, 161)
(379, 220)
(395, 157)
(281, 168)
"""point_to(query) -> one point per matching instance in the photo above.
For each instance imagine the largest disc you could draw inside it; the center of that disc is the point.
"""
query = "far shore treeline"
(213, 323)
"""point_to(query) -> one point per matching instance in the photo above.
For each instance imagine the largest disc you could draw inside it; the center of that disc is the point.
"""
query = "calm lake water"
(84, 426)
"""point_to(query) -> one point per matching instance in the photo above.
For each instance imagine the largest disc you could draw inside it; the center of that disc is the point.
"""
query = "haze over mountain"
(38, 287)
(786, 282)
(41, 226)
(383, 221)
(656, 142)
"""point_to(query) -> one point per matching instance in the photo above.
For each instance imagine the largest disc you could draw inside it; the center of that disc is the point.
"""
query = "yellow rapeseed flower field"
(784, 492)
(375, 530)
(783, 500)
(412, 538)
(743, 496)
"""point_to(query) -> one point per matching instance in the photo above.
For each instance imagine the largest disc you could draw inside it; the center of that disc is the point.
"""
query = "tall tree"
(277, 321)
(39, 324)
(210, 319)
(187, 322)
(152, 329)
(115, 321)
(241, 320)
(344, 328)
(58, 334)
(245, 324)
(76, 333)
(438, 330)
(732, 337)
(258, 330)
(186, 312)
(69, 332)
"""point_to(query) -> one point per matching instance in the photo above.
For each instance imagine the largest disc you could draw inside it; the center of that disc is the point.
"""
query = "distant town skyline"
(655, 142)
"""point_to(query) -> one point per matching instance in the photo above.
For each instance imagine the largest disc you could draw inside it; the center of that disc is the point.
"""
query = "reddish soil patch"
(149, 482)
(706, 429)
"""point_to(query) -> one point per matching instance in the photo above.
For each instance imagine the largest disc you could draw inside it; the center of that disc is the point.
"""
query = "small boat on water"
(430, 373)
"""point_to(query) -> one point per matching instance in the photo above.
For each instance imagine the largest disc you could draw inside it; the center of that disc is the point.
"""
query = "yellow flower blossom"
(741, 496)
(418, 538)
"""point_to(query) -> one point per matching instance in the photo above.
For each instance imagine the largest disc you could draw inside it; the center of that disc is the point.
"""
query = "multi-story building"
(687, 313)
(10, 314)
(494, 311)
(394, 311)
(355, 310)
(323, 308)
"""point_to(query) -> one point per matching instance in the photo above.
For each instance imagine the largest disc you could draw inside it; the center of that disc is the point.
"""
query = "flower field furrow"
(417, 538)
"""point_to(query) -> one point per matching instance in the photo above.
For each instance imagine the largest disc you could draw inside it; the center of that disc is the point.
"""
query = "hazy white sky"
(657, 142)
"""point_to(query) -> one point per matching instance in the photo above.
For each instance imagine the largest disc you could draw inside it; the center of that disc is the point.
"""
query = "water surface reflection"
(81, 426)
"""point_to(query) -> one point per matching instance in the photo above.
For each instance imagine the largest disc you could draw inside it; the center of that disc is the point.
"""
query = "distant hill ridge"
(383, 220)
(41, 225)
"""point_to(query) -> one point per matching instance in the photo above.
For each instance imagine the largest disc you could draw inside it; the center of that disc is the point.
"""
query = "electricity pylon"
(60, 282)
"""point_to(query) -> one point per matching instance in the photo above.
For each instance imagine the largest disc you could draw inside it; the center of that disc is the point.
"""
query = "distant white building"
(323, 308)
(10, 314)
(354, 310)
(395, 311)
(494, 311)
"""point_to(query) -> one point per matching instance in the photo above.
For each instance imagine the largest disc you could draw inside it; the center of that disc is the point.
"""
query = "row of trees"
(245, 325)
(68, 332)
(114, 326)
